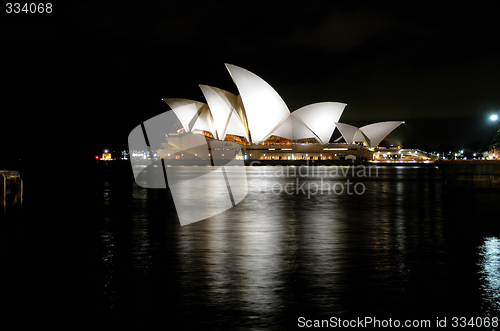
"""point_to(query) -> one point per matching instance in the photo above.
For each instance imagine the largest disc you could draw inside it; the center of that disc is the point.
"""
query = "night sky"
(79, 79)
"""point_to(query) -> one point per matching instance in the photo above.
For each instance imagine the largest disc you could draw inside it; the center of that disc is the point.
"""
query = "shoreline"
(259, 163)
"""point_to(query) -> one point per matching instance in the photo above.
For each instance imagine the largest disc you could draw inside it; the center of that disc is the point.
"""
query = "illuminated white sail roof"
(265, 110)
(284, 130)
(293, 129)
(372, 134)
(350, 132)
(203, 121)
(235, 126)
(320, 118)
(259, 112)
(221, 105)
(359, 136)
(301, 131)
(376, 132)
(185, 110)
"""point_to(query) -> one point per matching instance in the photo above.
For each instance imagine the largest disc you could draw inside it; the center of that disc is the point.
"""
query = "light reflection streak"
(489, 262)
(259, 255)
(252, 257)
(107, 238)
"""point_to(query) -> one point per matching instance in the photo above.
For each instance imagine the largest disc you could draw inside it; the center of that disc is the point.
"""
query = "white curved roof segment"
(320, 118)
(373, 134)
(360, 136)
(204, 121)
(284, 130)
(264, 107)
(376, 132)
(235, 126)
(349, 132)
(301, 131)
(293, 129)
(221, 105)
(185, 110)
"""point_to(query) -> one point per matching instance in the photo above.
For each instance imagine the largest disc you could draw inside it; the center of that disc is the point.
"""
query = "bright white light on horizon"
(494, 117)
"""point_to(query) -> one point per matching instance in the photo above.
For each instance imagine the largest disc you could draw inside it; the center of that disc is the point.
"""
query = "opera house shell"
(258, 116)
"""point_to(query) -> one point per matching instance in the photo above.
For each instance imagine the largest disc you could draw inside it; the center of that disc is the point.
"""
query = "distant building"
(176, 148)
(259, 120)
(397, 154)
(495, 153)
(106, 156)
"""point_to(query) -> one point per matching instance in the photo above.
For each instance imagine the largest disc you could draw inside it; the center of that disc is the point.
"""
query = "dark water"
(404, 248)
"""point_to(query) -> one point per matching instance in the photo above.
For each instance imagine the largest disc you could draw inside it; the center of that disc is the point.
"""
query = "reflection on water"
(108, 261)
(489, 263)
(277, 256)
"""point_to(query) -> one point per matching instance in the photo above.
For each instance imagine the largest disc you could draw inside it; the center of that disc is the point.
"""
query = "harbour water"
(401, 246)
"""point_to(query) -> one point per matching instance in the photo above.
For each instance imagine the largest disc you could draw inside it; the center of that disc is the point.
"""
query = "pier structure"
(11, 189)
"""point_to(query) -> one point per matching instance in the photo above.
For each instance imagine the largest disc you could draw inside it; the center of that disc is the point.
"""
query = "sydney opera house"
(259, 121)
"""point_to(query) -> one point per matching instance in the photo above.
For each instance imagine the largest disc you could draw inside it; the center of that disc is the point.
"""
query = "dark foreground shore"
(471, 174)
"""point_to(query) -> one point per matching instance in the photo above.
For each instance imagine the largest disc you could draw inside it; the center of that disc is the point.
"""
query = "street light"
(493, 118)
